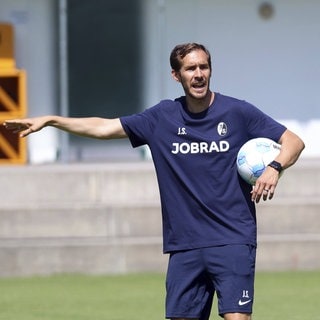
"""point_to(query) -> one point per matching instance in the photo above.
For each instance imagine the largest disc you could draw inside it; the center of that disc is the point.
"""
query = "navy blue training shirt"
(204, 201)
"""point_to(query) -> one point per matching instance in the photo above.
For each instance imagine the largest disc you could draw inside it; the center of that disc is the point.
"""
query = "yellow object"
(7, 59)
(13, 99)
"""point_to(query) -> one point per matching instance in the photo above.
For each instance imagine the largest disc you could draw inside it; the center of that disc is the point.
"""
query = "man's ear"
(176, 75)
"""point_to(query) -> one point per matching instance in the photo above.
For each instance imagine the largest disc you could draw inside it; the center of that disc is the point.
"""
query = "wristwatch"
(276, 165)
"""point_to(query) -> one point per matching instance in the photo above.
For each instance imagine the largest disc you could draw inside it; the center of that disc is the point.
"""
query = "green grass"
(287, 295)
(284, 295)
(79, 297)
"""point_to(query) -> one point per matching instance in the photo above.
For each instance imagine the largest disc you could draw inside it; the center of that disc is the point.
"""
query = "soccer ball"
(254, 156)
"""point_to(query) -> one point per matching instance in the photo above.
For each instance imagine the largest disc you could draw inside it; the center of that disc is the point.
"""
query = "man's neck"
(199, 105)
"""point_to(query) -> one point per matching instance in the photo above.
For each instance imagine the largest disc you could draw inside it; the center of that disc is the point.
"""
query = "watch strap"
(276, 165)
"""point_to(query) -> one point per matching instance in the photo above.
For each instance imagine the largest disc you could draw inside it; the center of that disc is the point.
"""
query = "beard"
(197, 91)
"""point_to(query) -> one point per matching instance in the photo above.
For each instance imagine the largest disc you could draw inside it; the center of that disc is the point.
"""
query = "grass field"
(283, 295)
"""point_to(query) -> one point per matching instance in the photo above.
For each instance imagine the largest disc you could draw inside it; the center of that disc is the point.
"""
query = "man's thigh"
(189, 288)
(232, 269)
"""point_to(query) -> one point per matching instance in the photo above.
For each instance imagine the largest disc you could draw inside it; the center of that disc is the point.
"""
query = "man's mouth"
(198, 85)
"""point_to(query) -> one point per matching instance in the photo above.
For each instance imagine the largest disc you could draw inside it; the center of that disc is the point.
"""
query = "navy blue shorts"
(194, 276)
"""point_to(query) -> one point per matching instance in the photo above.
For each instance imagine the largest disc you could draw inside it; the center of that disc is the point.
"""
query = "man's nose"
(198, 73)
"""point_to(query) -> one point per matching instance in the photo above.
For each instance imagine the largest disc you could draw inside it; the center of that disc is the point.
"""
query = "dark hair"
(181, 50)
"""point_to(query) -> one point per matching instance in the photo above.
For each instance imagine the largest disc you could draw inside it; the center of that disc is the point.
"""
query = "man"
(209, 220)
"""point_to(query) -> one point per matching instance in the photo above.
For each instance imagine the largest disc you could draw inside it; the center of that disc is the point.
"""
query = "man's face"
(194, 74)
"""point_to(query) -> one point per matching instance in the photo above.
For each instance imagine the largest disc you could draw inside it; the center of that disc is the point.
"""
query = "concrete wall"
(107, 219)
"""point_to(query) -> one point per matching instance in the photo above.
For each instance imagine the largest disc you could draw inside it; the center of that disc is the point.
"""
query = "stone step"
(79, 183)
(298, 215)
(301, 180)
(288, 252)
(112, 183)
(79, 220)
(123, 255)
(81, 255)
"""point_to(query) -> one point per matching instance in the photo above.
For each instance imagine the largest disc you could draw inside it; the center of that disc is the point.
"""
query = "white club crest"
(222, 129)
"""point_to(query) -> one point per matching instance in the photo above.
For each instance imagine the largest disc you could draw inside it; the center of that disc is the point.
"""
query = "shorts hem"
(223, 312)
(185, 316)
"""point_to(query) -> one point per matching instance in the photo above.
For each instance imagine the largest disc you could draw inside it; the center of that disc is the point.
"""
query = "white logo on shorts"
(245, 294)
(242, 303)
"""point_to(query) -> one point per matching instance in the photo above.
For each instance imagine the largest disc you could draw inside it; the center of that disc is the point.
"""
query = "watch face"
(276, 165)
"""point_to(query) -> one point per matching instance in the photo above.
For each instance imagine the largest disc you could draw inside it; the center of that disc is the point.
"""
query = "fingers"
(267, 194)
(25, 133)
(18, 126)
(265, 185)
(263, 191)
(14, 125)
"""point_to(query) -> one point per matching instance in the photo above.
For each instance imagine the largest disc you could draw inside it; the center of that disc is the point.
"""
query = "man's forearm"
(93, 127)
(291, 146)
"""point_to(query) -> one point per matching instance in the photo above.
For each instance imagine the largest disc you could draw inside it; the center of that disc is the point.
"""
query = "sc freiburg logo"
(222, 129)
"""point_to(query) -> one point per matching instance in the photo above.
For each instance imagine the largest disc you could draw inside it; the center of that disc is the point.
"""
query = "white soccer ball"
(254, 156)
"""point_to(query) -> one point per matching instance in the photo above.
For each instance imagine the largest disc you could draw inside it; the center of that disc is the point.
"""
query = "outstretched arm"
(98, 128)
(291, 148)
